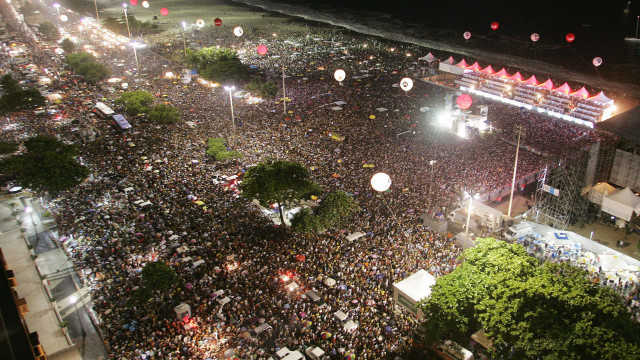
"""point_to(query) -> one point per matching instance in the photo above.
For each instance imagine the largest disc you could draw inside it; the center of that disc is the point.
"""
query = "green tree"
(530, 311)
(267, 90)
(227, 71)
(135, 102)
(305, 221)
(7, 147)
(164, 114)
(217, 148)
(47, 165)
(68, 46)
(49, 31)
(336, 206)
(277, 181)
(203, 58)
(84, 64)
(158, 276)
(14, 98)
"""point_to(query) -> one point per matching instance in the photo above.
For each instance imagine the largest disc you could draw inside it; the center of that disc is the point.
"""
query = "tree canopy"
(49, 31)
(85, 64)
(267, 90)
(278, 181)
(136, 102)
(164, 114)
(47, 165)
(68, 46)
(15, 98)
(530, 311)
(137, 27)
(217, 148)
(335, 207)
(220, 65)
(158, 276)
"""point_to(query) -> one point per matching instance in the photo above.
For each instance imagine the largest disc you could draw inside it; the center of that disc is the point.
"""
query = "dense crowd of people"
(112, 237)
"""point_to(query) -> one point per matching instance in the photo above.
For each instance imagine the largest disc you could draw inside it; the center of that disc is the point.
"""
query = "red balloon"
(464, 101)
(164, 11)
(570, 37)
(217, 22)
(134, 2)
(301, 257)
(494, 25)
(262, 49)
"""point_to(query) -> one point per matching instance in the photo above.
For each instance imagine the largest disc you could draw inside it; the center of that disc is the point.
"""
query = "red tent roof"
(583, 93)
(531, 81)
(463, 64)
(547, 84)
(474, 67)
(502, 73)
(488, 70)
(565, 88)
(517, 77)
(449, 61)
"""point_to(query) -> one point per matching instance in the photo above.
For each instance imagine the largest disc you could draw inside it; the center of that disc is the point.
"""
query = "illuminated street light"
(467, 195)
(57, 6)
(184, 34)
(124, 6)
(136, 45)
(233, 121)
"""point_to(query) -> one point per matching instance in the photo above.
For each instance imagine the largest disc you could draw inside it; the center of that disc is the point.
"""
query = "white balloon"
(339, 75)
(535, 37)
(466, 35)
(200, 23)
(238, 31)
(64, 18)
(145, 4)
(597, 61)
(380, 182)
(406, 84)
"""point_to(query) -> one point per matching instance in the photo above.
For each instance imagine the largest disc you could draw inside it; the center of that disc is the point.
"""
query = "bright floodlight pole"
(284, 93)
(233, 121)
(124, 6)
(57, 6)
(184, 34)
(515, 168)
(95, 3)
(469, 211)
(637, 21)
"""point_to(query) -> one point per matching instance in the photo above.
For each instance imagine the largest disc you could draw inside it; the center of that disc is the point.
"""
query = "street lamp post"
(184, 41)
(29, 210)
(57, 6)
(515, 169)
(95, 3)
(284, 93)
(431, 162)
(637, 22)
(124, 6)
(233, 121)
(469, 210)
(135, 45)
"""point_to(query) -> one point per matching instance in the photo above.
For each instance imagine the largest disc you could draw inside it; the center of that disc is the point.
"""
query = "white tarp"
(612, 262)
(411, 290)
(355, 236)
(621, 203)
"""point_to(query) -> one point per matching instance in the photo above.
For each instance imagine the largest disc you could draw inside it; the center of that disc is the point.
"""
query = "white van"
(262, 328)
(450, 350)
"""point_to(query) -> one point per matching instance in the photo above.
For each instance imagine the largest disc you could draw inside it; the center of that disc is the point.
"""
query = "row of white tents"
(621, 203)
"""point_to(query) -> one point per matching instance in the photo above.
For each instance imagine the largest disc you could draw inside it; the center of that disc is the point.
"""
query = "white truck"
(518, 230)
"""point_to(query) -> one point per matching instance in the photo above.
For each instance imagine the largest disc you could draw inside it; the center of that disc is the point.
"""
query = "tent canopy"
(532, 81)
(582, 92)
(599, 190)
(488, 70)
(621, 203)
(547, 85)
(462, 64)
(449, 61)
(429, 57)
(517, 76)
(411, 290)
(475, 66)
(601, 98)
(502, 73)
(563, 88)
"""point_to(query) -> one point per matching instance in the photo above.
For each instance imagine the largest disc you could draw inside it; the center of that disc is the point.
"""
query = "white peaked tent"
(429, 57)
(408, 292)
(621, 203)
(600, 97)
(449, 61)
(598, 191)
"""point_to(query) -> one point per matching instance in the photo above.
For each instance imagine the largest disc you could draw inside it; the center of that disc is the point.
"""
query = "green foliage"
(277, 181)
(164, 114)
(84, 64)
(136, 102)
(46, 165)
(220, 65)
(82, 6)
(68, 46)
(137, 27)
(530, 311)
(16, 99)
(158, 276)
(267, 90)
(336, 206)
(49, 31)
(305, 221)
(217, 148)
(7, 147)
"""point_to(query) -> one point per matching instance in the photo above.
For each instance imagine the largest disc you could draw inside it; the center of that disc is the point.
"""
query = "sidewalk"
(41, 316)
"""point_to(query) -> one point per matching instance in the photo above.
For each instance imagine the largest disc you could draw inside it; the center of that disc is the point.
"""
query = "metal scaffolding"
(560, 198)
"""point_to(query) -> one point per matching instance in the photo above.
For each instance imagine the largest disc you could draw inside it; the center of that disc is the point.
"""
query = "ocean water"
(511, 48)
